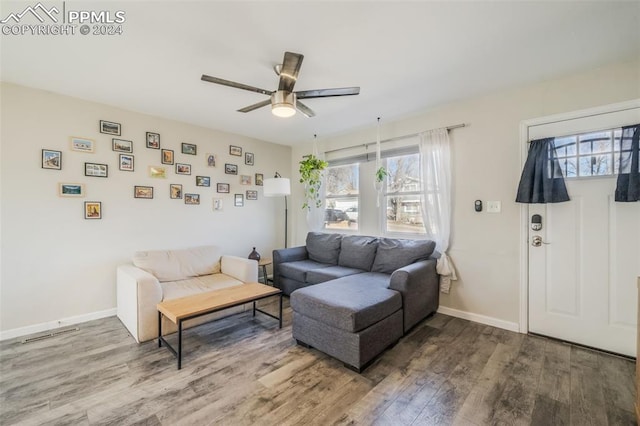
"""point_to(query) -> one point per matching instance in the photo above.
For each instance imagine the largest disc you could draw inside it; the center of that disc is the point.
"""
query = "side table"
(263, 263)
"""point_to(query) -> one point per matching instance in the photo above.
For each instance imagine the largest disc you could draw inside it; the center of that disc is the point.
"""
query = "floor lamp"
(278, 186)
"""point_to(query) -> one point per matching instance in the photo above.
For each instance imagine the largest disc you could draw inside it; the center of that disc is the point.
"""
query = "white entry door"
(583, 272)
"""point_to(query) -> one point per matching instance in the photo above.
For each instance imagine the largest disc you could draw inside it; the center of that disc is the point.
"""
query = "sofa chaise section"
(362, 296)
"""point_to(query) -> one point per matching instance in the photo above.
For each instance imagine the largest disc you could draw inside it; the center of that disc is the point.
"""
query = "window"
(589, 154)
(403, 194)
(342, 197)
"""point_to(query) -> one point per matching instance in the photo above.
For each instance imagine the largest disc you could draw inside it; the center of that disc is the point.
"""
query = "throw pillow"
(358, 252)
(324, 248)
(394, 253)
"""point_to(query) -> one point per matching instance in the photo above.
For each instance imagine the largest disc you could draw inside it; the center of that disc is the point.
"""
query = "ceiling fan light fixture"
(283, 104)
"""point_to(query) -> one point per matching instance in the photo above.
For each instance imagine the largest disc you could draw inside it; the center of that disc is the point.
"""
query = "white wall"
(57, 265)
(486, 166)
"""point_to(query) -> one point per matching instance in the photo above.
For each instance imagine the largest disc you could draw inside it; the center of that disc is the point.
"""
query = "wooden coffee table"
(185, 308)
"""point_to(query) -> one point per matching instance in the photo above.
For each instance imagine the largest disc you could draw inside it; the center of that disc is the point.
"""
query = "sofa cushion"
(324, 248)
(332, 272)
(298, 270)
(173, 265)
(394, 253)
(196, 285)
(358, 252)
(350, 303)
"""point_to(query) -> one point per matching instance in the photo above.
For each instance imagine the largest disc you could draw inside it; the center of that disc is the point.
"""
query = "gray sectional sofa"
(353, 296)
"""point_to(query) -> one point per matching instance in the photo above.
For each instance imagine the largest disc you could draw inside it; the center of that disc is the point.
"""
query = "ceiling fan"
(284, 101)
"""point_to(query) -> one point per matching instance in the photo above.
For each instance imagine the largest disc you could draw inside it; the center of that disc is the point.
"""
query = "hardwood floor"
(245, 371)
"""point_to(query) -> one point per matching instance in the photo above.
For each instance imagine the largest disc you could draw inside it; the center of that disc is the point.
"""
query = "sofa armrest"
(138, 293)
(281, 256)
(418, 285)
(290, 254)
(240, 268)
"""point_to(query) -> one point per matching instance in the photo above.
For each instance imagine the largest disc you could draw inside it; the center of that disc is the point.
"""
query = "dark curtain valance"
(628, 187)
(542, 180)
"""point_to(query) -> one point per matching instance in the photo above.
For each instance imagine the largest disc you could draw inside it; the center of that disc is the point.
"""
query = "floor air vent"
(50, 335)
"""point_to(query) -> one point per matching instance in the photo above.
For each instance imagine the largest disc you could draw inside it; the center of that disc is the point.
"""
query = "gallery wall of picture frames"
(167, 167)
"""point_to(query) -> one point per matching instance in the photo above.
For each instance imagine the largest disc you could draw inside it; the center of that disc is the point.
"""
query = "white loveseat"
(161, 275)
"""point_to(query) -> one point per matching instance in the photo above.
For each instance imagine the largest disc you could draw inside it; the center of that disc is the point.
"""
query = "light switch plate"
(494, 206)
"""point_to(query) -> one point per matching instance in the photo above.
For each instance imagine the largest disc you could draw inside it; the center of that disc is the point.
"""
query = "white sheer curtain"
(435, 162)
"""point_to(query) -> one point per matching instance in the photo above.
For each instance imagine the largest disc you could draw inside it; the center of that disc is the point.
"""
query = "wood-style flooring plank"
(242, 370)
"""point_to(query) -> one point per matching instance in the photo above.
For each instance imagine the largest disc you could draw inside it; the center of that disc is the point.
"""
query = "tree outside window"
(403, 194)
(342, 197)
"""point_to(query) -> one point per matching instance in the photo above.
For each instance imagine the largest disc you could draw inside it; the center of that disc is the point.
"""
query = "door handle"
(536, 241)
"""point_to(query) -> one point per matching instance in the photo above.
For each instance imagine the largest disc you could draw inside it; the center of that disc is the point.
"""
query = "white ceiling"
(406, 56)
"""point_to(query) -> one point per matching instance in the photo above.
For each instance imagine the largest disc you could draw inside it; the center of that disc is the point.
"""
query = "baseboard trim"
(482, 319)
(52, 325)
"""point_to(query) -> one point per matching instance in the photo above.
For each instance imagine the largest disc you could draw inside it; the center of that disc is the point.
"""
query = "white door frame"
(524, 208)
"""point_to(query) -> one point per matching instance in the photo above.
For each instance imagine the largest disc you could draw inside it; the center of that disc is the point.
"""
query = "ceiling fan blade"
(255, 106)
(229, 83)
(305, 109)
(325, 93)
(289, 70)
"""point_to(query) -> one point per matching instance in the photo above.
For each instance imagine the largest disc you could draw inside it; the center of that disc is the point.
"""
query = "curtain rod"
(397, 138)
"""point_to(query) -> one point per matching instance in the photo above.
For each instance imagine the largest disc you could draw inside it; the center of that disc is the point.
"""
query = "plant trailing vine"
(311, 176)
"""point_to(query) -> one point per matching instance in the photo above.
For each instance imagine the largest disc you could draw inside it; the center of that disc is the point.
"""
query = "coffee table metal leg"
(179, 344)
(280, 316)
(159, 329)
(254, 308)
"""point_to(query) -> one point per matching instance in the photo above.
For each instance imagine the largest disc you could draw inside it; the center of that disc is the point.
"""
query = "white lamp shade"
(276, 187)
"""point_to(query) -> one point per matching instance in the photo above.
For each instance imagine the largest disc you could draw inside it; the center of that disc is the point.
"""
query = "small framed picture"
(109, 128)
(126, 162)
(51, 159)
(252, 195)
(259, 179)
(121, 145)
(158, 172)
(71, 190)
(217, 204)
(192, 198)
(189, 148)
(183, 169)
(203, 181)
(92, 210)
(245, 180)
(231, 169)
(235, 150)
(211, 160)
(248, 158)
(167, 156)
(153, 140)
(222, 188)
(238, 200)
(175, 191)
(82, 144)
(96, 170)
(143, 191)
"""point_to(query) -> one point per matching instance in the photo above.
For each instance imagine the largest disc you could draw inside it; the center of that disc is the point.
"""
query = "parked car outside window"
(334, 215)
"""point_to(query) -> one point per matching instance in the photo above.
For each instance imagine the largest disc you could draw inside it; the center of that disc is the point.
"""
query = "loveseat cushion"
(331, 273)
(173, 265)
(324, 248)
(395, 253)
(196, 285)
(350, 303)
(358, 252)
(298, 270)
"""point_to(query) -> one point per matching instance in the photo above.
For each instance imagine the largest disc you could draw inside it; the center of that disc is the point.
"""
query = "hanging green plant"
(311, 177)
(381, 173)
